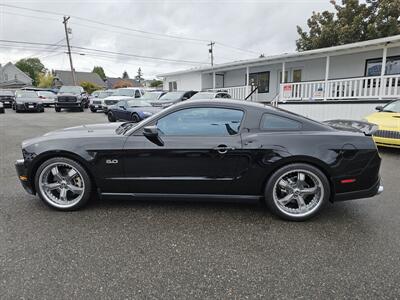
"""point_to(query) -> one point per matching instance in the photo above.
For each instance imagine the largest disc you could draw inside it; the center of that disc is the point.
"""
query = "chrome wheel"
(298, 193)
(61, 185)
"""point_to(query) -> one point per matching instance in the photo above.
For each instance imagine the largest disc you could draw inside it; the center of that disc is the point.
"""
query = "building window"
(286, 76)
(172, 86)
(373, 67)
(261, 80)
(6, 77)
(297, 75)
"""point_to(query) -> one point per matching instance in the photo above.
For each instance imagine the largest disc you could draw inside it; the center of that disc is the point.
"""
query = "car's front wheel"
(297, 192)
(57, 109)
(63, 184)
(93, 110)
(111, 117)
(135, 118)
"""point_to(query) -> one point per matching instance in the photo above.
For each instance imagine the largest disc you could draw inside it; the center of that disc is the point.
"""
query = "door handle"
(222, 149)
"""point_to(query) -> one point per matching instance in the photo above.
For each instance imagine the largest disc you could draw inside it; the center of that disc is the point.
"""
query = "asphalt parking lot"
(132, 249)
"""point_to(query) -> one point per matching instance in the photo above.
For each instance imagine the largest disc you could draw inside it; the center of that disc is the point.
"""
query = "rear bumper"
(22, 173)
(376, 189)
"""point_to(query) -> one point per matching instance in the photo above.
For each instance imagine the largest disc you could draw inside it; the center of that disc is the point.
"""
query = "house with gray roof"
(13, 78)
(65, 78)
(115, 82)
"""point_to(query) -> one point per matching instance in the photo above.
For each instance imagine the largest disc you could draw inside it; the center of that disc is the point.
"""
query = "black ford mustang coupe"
(219, 149)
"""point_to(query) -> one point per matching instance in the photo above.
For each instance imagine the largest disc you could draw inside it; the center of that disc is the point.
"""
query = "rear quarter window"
(275, 122)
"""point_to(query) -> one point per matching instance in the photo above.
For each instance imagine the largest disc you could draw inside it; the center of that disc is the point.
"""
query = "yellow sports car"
(388, 120)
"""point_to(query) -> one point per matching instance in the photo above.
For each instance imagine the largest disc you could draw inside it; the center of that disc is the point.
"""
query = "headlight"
(147, 113)
(166, 104)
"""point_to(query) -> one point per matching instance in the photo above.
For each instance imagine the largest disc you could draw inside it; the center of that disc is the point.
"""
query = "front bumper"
(68, 104)
(7, 104)
(22, 173)
(376, 189)
(28, 107)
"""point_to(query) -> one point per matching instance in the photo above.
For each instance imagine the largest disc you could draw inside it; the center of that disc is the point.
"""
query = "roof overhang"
(392, 41)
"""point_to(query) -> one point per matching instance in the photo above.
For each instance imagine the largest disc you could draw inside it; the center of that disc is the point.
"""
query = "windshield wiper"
(392, 111)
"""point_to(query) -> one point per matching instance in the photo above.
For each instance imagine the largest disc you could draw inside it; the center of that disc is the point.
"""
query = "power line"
(190, 39)
(110, 52)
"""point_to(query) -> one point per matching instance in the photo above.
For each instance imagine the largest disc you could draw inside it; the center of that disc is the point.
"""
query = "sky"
(177, 31)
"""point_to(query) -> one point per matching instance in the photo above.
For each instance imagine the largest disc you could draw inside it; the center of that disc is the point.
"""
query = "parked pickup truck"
(71, 97)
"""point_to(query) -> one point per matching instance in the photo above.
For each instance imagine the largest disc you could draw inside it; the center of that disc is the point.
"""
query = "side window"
(201, 121)
(274, 122)
(219, 95)
(137, 94)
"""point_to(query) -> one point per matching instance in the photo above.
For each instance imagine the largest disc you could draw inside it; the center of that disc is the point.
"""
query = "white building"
(346, 74)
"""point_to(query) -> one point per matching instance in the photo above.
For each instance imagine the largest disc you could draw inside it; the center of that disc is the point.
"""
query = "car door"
(199, 153)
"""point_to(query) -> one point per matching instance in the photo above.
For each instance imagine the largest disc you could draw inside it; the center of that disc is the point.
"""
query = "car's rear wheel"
(57, 109)
(297, 192)
(93, 110)
(111, 117)
(135, 118)
(63, 184)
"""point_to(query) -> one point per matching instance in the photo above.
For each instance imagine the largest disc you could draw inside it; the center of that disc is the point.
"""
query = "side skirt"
(181, 197)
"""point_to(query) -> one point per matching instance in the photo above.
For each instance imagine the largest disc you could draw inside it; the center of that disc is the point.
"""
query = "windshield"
(124, 92)
(151, 95)
(26, 94)
(70, 89)
(392, 107)
(171, 96)
(203, 96)
(138, 103)
(104, 94)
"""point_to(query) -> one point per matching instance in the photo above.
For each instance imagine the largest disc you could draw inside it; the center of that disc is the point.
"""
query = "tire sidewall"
(272, 206)
(82, 171)
(135, 116)
(111, 117)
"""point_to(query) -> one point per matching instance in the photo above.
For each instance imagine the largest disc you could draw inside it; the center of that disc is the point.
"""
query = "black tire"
(93, 110)
(87, 184)
(57, 109)
(289, 211)
(111, 117)
(135, 118)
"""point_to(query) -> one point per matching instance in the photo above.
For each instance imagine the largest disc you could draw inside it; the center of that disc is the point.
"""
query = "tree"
(125, 75)
(156, 83)
(100, 71)
(45, 80)
(139, 76)
(351, 22)
(90, 87)
(32, 67)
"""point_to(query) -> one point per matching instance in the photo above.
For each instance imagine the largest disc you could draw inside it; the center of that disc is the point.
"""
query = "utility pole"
(69, 49)
(211, 51)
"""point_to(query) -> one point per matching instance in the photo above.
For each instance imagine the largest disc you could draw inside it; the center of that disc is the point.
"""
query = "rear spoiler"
(352, 125)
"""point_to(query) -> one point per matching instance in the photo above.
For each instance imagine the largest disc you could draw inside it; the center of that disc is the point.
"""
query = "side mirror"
(123, 107)
(151, 133)
(379, 108)
(184, 98)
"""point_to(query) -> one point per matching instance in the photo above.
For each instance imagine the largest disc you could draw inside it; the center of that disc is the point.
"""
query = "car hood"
(150, 109)
(385, 120)
(83, 131)
(28, 100)
(68, 94)
(116, 98)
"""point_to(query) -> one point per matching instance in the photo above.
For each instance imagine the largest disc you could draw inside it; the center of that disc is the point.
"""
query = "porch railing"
(351, 88)
(238, 92)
